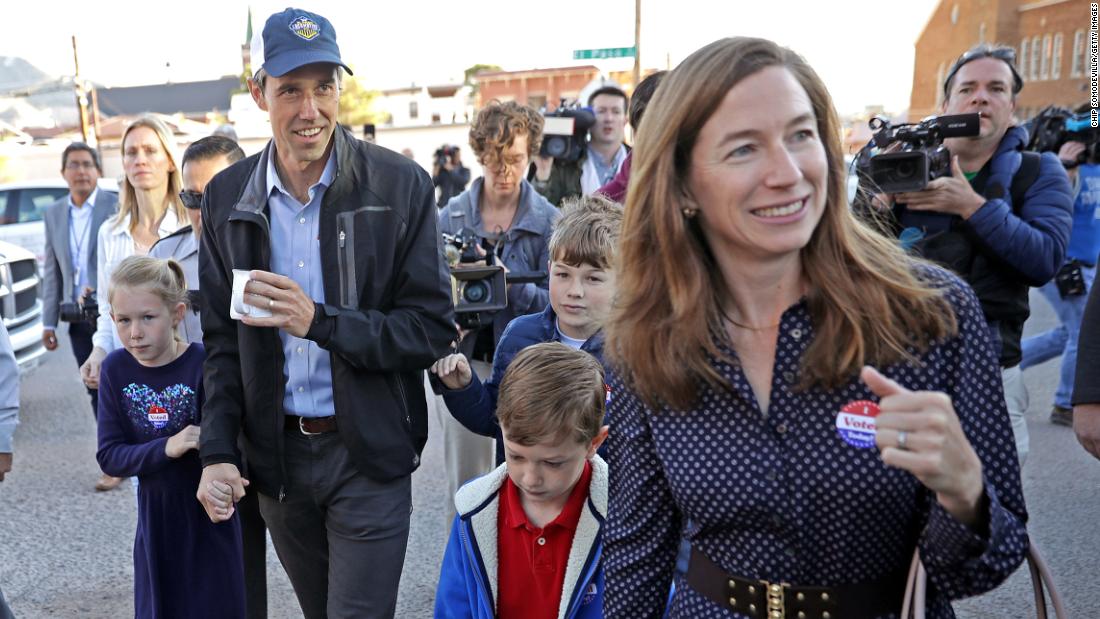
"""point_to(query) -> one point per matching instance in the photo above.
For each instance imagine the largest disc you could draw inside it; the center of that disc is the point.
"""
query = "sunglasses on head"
(1005, 54)
(191, 199)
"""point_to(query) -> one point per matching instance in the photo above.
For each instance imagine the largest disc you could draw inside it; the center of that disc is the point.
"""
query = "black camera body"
(476, 291)
(921, 157)
(1054, 126)
(86, 311)
(444, 154)
(565, 131)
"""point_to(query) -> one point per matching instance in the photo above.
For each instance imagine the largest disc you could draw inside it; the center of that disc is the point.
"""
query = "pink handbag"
(916, 587)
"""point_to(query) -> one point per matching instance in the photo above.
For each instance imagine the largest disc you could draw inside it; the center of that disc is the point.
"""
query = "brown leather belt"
(311, 425)
(768, 600)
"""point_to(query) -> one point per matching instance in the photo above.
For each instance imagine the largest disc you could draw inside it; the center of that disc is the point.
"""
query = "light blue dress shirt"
(80, 235)
(296, 253)
(604, 171)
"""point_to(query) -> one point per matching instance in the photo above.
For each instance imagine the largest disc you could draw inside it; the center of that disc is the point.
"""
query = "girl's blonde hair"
(866, 301)
(163, 278)
(127, 200)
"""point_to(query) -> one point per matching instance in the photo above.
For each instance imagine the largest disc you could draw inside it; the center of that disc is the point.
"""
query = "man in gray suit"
(72, 224)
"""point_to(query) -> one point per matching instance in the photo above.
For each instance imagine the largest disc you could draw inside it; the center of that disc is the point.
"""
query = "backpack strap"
(1024, 178)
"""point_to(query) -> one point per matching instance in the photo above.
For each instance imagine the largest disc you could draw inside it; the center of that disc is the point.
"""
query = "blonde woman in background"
(149, 208)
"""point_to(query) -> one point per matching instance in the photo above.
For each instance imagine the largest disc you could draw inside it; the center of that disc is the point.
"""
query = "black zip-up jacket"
(387, 314)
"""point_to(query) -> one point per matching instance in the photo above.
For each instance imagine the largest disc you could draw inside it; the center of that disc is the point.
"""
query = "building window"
(1077, 63)
(1056, 61)
(1023, 58)
(1044, 69)
(537, 101)
(436, 119)
(1036, 57)
(414, 110)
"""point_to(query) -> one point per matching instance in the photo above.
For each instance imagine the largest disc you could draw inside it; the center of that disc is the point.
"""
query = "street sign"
(606, 52)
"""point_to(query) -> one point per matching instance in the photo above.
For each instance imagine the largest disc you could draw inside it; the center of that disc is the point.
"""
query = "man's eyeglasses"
(191, 199)
(1005, 54)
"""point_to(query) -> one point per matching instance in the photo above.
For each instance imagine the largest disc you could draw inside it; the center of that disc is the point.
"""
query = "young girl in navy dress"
(150, 394)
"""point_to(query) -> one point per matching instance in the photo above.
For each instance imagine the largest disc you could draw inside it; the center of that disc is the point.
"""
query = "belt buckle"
(302, 428)
(774, 594)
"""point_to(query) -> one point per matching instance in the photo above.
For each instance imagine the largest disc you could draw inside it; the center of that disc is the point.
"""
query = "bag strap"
(916, 591)
(1024, 178)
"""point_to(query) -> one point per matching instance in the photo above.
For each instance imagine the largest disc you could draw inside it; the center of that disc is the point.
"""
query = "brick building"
(1050, 38)
(535, 87)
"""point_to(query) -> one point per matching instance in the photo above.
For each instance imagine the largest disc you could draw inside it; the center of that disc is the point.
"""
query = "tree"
(473, 71)
(357, 104)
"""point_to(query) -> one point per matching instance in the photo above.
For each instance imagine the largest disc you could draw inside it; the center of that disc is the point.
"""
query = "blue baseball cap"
(294, 38)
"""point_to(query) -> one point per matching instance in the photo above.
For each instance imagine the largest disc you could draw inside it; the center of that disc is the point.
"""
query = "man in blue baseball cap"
(320, 367)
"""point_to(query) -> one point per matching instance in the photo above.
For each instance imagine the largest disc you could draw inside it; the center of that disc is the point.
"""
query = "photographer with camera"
(69, 273)
(1001, 219)
(586, 169)
(511, 221)
(1069, 290)
(448, 173)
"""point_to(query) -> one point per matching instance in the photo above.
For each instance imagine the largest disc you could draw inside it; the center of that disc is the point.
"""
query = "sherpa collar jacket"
(468, 578)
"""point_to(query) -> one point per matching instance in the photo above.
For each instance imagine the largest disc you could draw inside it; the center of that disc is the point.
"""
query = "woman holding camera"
(758, 332)
(503, 208)
(515, 222)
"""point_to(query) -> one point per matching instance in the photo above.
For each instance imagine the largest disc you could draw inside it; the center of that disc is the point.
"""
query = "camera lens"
(476, 292)
(906, 169)
(554, 146)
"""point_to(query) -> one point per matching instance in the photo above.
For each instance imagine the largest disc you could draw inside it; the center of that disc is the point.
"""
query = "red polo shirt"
(532, 560)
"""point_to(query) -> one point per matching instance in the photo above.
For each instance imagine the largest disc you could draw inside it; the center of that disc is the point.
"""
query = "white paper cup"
(237, 307)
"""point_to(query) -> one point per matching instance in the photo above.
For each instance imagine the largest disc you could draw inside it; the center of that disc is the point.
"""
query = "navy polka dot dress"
(783, 498)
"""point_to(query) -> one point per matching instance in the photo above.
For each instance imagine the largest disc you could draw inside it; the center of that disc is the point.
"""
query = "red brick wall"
(1067, 91)
(943, 40)
(533, 86)
(941, 43)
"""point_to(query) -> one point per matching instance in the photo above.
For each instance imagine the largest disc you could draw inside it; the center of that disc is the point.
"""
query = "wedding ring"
(271, 304)
(903, 437)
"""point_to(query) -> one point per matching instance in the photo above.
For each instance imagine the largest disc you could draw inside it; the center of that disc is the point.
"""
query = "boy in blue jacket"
(526, 540)
(582, 284)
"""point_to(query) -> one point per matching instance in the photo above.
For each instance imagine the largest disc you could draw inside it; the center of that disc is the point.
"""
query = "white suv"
(20, 306)
(22, 206)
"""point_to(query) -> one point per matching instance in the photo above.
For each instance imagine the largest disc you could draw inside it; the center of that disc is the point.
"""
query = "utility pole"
(81, 99)
(637, 42)
(95, 116)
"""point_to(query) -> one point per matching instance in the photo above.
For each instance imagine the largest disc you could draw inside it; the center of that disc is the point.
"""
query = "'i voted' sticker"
(855, 423)
(158, 416)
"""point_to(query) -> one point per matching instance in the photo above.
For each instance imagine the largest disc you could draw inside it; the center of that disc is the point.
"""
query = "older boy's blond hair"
(551, 392)
(587, 232)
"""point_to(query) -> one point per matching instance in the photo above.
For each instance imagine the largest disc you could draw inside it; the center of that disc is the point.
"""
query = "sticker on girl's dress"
(855, 423)
(607, 400)
(158, 416)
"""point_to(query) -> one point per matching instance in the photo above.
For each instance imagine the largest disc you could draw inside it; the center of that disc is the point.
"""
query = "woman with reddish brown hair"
(759, 329)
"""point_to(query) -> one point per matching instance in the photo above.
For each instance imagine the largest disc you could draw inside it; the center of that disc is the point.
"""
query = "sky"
(864, 55)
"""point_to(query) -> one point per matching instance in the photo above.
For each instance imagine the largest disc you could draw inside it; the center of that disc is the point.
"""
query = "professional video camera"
(565, 131)
(86, 311)
(444, 154)
(921, 156)
(1054, 126)
(479, 291)
(474, 289)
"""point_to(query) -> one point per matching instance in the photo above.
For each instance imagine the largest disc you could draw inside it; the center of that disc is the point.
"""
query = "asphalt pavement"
(66, 550)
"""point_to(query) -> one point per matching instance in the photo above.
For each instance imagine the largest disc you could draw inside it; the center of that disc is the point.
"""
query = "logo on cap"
(305, 28)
